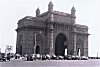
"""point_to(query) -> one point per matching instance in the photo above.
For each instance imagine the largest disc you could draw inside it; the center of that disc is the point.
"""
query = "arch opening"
(60, 45)
(37, 50)
(39, 44)
(79, 47)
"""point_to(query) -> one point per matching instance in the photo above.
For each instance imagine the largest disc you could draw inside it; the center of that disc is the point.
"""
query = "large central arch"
(60, 44)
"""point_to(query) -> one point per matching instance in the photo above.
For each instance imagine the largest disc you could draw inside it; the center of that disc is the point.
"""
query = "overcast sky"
(87, 13)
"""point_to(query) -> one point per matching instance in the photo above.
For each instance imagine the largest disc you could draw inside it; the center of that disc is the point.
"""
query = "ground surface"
(52, 63)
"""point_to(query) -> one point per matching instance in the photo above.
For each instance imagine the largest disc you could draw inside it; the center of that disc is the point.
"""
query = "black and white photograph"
(49, 33)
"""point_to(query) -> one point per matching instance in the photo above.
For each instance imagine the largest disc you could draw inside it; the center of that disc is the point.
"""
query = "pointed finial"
(50, 3)
(38, 7)
(50, 7)
(37, 11)
(73, 8)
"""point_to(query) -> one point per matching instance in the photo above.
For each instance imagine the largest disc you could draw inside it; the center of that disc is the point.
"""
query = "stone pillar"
(51, 43)
(86, 46)
(75, 39)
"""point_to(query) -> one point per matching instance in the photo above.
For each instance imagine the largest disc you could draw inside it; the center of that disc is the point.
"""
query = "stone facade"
(50, 33)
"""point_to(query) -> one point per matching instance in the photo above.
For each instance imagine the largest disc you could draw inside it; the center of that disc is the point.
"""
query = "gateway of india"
(52, 32)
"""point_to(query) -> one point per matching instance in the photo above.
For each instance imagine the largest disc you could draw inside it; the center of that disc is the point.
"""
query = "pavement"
(51, 63)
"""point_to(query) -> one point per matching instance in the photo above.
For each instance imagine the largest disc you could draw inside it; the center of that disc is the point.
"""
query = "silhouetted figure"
(8, 56)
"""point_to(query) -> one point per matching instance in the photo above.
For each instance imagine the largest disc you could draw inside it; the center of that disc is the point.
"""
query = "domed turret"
(73, 11)
(73, 14)
(73, 8)
(50, 7)
(37, 12)
(50, 4)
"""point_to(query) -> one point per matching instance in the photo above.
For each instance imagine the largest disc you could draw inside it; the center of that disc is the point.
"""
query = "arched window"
(20, 40)
(39, 38)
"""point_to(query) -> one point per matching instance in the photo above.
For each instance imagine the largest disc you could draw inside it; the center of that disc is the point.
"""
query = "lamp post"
(35, 42)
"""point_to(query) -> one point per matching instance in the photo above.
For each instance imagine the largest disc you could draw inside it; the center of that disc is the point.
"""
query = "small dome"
(73, 8)
(38, 10)
(50, 3)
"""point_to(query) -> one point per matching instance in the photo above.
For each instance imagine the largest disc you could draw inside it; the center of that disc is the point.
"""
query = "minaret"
(50, 11)
(73, 14)
(51, 28)
(50, 7)
(37, 12)
(73, 11)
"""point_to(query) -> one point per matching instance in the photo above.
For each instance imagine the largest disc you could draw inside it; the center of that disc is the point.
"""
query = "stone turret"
(50, 11)
(37, 12)
(50, 7)
(73, 15)
(73, 11)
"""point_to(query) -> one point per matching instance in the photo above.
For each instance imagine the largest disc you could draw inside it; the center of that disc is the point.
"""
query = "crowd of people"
(31, 57)
(5, 57)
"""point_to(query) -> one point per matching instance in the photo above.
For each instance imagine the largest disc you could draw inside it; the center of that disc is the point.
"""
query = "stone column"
(86, 46)
(51, 43)
(75, 39)
(51, 20)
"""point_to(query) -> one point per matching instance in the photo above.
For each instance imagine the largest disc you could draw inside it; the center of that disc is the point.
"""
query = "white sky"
(87, 13)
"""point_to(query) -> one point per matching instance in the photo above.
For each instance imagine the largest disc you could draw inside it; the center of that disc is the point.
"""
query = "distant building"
(51, 33)
(8, 49)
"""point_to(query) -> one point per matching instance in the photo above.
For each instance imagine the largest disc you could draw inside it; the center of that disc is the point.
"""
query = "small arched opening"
(79, 47)
(37, 50)
(39, 44)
